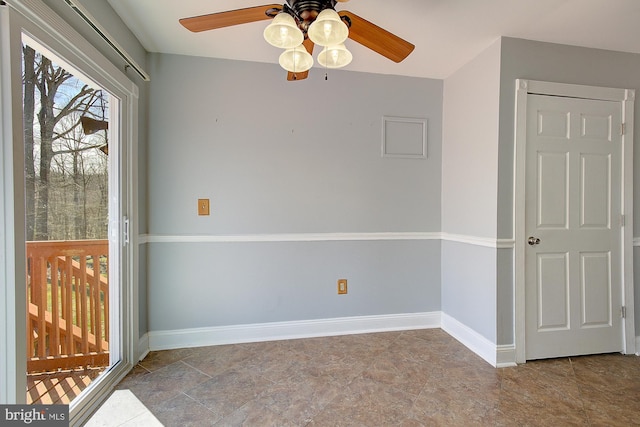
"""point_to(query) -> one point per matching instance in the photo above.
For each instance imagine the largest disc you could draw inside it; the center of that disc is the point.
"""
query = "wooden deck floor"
(59, 387)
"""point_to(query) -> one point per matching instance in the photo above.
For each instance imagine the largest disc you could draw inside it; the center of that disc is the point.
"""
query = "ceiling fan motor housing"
(306, 11)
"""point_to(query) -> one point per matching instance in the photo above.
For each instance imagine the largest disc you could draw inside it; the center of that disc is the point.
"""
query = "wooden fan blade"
(228, 18)
(377, 39)
(294, 77)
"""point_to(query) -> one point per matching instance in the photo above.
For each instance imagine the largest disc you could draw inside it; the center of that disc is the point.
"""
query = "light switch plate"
(203, 206)
(342, 286)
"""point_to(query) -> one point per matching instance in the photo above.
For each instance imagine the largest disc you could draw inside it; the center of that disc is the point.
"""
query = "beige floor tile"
(183, 411)
(253, 414)
(302, 397)
(366, 403)
(226, 392)
(166, 383)
(408, 379)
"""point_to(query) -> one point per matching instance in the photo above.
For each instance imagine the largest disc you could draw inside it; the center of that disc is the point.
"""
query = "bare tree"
(56, 150)
(80, 170)
(29, 89)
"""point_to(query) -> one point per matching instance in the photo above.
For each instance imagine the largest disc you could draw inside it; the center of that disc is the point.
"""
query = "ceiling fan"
(298, 25)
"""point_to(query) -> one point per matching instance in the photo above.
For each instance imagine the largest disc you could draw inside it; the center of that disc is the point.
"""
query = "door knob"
(533, 241)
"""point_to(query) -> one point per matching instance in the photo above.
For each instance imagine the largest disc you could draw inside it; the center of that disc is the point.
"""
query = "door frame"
(626, 97)
(41, 23)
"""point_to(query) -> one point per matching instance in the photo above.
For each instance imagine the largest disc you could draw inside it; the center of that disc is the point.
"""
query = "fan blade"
(377, 39)
(228, 18)
(294, 77)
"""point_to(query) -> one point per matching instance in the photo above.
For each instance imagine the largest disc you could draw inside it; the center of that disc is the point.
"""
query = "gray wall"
(564, 64)
(469, 286)
(221, 284)
(286, 157)
(469, 191)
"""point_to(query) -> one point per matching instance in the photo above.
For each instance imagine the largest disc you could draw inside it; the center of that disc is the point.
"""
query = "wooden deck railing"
(68, 304)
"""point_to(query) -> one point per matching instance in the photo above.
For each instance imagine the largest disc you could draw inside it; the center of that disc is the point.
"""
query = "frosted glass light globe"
(336, 56)
(283, 32)
(296, 60)
(328, 29)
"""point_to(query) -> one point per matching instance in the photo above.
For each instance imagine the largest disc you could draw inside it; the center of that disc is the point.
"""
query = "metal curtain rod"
(86, 16)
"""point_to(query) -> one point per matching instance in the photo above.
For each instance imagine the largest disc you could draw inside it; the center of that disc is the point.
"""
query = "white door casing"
(573, 186)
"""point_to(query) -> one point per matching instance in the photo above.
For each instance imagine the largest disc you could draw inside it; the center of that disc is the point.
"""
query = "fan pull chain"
(295, 75)
(326, 74)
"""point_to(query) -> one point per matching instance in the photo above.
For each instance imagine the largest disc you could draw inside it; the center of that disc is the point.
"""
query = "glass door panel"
(67, 193)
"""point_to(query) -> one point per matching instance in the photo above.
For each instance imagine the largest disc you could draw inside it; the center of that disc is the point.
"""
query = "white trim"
(628, 101)
(505, 244)
(235, 334)
(327, 237)
(497, 356)
(573, 90)
(506, 356)
(143, 347)
(290, 237)
(479, 241)
(626, 97)
(421, 121)
(12, 324)
(638, 346)
(519, 232)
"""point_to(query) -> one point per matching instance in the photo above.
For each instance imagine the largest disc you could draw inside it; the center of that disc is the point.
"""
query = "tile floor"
(410, 378)
(123, 409)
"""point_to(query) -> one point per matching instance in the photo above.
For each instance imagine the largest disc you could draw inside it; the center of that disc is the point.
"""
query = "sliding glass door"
(67, 190)
(68, 144)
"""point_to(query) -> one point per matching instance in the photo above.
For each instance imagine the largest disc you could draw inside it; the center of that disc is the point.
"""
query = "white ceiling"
(447, 33)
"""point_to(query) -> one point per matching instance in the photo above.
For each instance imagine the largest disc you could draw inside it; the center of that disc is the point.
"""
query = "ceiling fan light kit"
(283, 32)
(298, 25)
(337, 56)
(296, 60)
(328, 29)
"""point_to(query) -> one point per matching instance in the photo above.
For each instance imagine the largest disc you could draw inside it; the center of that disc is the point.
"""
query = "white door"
(573, 265)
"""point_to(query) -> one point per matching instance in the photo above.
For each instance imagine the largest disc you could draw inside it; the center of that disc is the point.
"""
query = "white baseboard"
(200, 337)
(500, 356)
(637, 346)
(497, 355)
(505, 356)
(143, 347)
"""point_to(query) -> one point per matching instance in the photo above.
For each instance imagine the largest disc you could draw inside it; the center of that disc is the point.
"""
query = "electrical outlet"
(342, 286)
(203, 206)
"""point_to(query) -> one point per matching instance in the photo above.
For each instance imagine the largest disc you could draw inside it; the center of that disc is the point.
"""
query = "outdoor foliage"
(66, 173)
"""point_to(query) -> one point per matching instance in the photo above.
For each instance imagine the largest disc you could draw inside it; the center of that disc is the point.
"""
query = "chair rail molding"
(327, 237)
